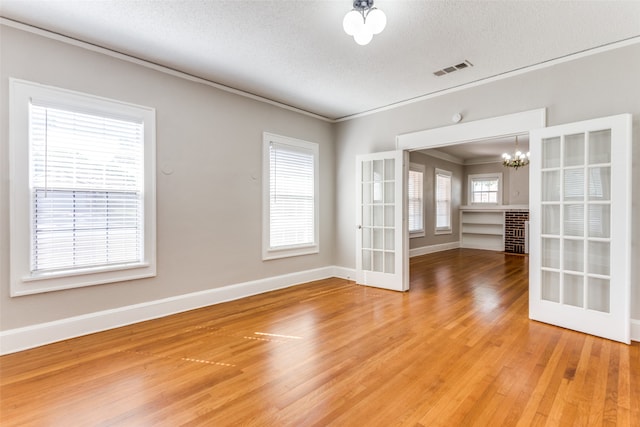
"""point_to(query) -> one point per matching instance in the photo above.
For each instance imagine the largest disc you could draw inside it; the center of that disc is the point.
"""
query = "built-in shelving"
(482, 229)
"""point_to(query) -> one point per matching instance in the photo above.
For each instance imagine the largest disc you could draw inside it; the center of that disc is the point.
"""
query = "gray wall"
(594, 86)
(515, 183)
(431, 163)
(517, 189)
(209, 209)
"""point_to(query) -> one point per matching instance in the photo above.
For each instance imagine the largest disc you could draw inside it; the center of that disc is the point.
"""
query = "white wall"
(599, 85)
(209, 208)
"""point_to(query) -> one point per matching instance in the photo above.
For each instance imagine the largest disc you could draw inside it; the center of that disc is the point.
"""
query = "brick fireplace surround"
(514, 230)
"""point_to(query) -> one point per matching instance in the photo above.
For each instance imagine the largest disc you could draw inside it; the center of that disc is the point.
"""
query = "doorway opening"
(463, 196)
(482, 224)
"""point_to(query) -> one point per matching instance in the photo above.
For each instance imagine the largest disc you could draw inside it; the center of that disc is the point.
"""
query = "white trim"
(298, 145)
(22, 280)
(156, 67)
(423, 250)
(635, 330)
(550, 63)
(494, 207)
(449, 229)
(18, 339)
(615, 323)
(398, 278)
(507, 125)
(484, 177)
(344, 273)
(14, 340)
(420, 168)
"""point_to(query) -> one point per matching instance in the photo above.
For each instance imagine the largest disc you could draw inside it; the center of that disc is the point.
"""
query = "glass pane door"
(380, 221)
(576, 220)
(578, 191)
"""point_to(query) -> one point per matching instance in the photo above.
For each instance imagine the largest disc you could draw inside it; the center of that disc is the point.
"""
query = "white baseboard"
(18, 339)
(635, 330)
(423, 250)
(344, 273)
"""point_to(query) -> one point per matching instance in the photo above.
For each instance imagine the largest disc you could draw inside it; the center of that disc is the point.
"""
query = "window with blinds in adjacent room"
(415, 190)
(443, 201)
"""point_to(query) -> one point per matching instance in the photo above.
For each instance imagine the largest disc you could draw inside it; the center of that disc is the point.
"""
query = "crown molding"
(516, 72)
(154, 66)
(181, 74)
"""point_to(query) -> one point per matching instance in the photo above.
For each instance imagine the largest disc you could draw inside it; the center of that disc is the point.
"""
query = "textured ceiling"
(296, 53)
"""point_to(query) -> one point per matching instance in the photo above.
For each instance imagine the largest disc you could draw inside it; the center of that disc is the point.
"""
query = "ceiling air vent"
(452, 68)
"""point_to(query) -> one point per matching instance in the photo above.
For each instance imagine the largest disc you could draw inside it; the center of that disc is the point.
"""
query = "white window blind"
(291, 195)
(443, 200)
(86, 181)
(416, 205)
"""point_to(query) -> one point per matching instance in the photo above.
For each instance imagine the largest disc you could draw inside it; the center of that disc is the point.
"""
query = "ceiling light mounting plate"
(362, 4)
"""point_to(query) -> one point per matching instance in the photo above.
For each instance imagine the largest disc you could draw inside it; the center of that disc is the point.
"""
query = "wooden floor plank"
(458, 349)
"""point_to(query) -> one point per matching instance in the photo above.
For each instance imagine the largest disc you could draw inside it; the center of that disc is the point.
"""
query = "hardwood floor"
(456, 350)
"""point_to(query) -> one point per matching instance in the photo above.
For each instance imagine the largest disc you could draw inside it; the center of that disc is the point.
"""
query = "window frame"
(448, 229)
(22, 280)
(269, 252)
(422, 169)
(484, 177)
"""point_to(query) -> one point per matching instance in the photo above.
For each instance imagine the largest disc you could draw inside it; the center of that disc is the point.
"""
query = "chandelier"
(363, 21)
(518, 159)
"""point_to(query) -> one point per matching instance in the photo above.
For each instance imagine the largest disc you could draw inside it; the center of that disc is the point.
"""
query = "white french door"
(381, 240)
(580, 191)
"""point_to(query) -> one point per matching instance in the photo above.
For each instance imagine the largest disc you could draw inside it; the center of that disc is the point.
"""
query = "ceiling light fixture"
(517, 160)
(363, 21)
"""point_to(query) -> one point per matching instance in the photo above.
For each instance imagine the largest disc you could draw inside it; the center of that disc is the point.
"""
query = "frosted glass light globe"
(376, 20)
(352, 22)
(363, 36)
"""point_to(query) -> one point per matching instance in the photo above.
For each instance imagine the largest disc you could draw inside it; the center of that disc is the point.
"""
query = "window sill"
(83, 271)
(414, 234)
(290, 251)
(492, 206)
(57, 281)
(444, 231)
